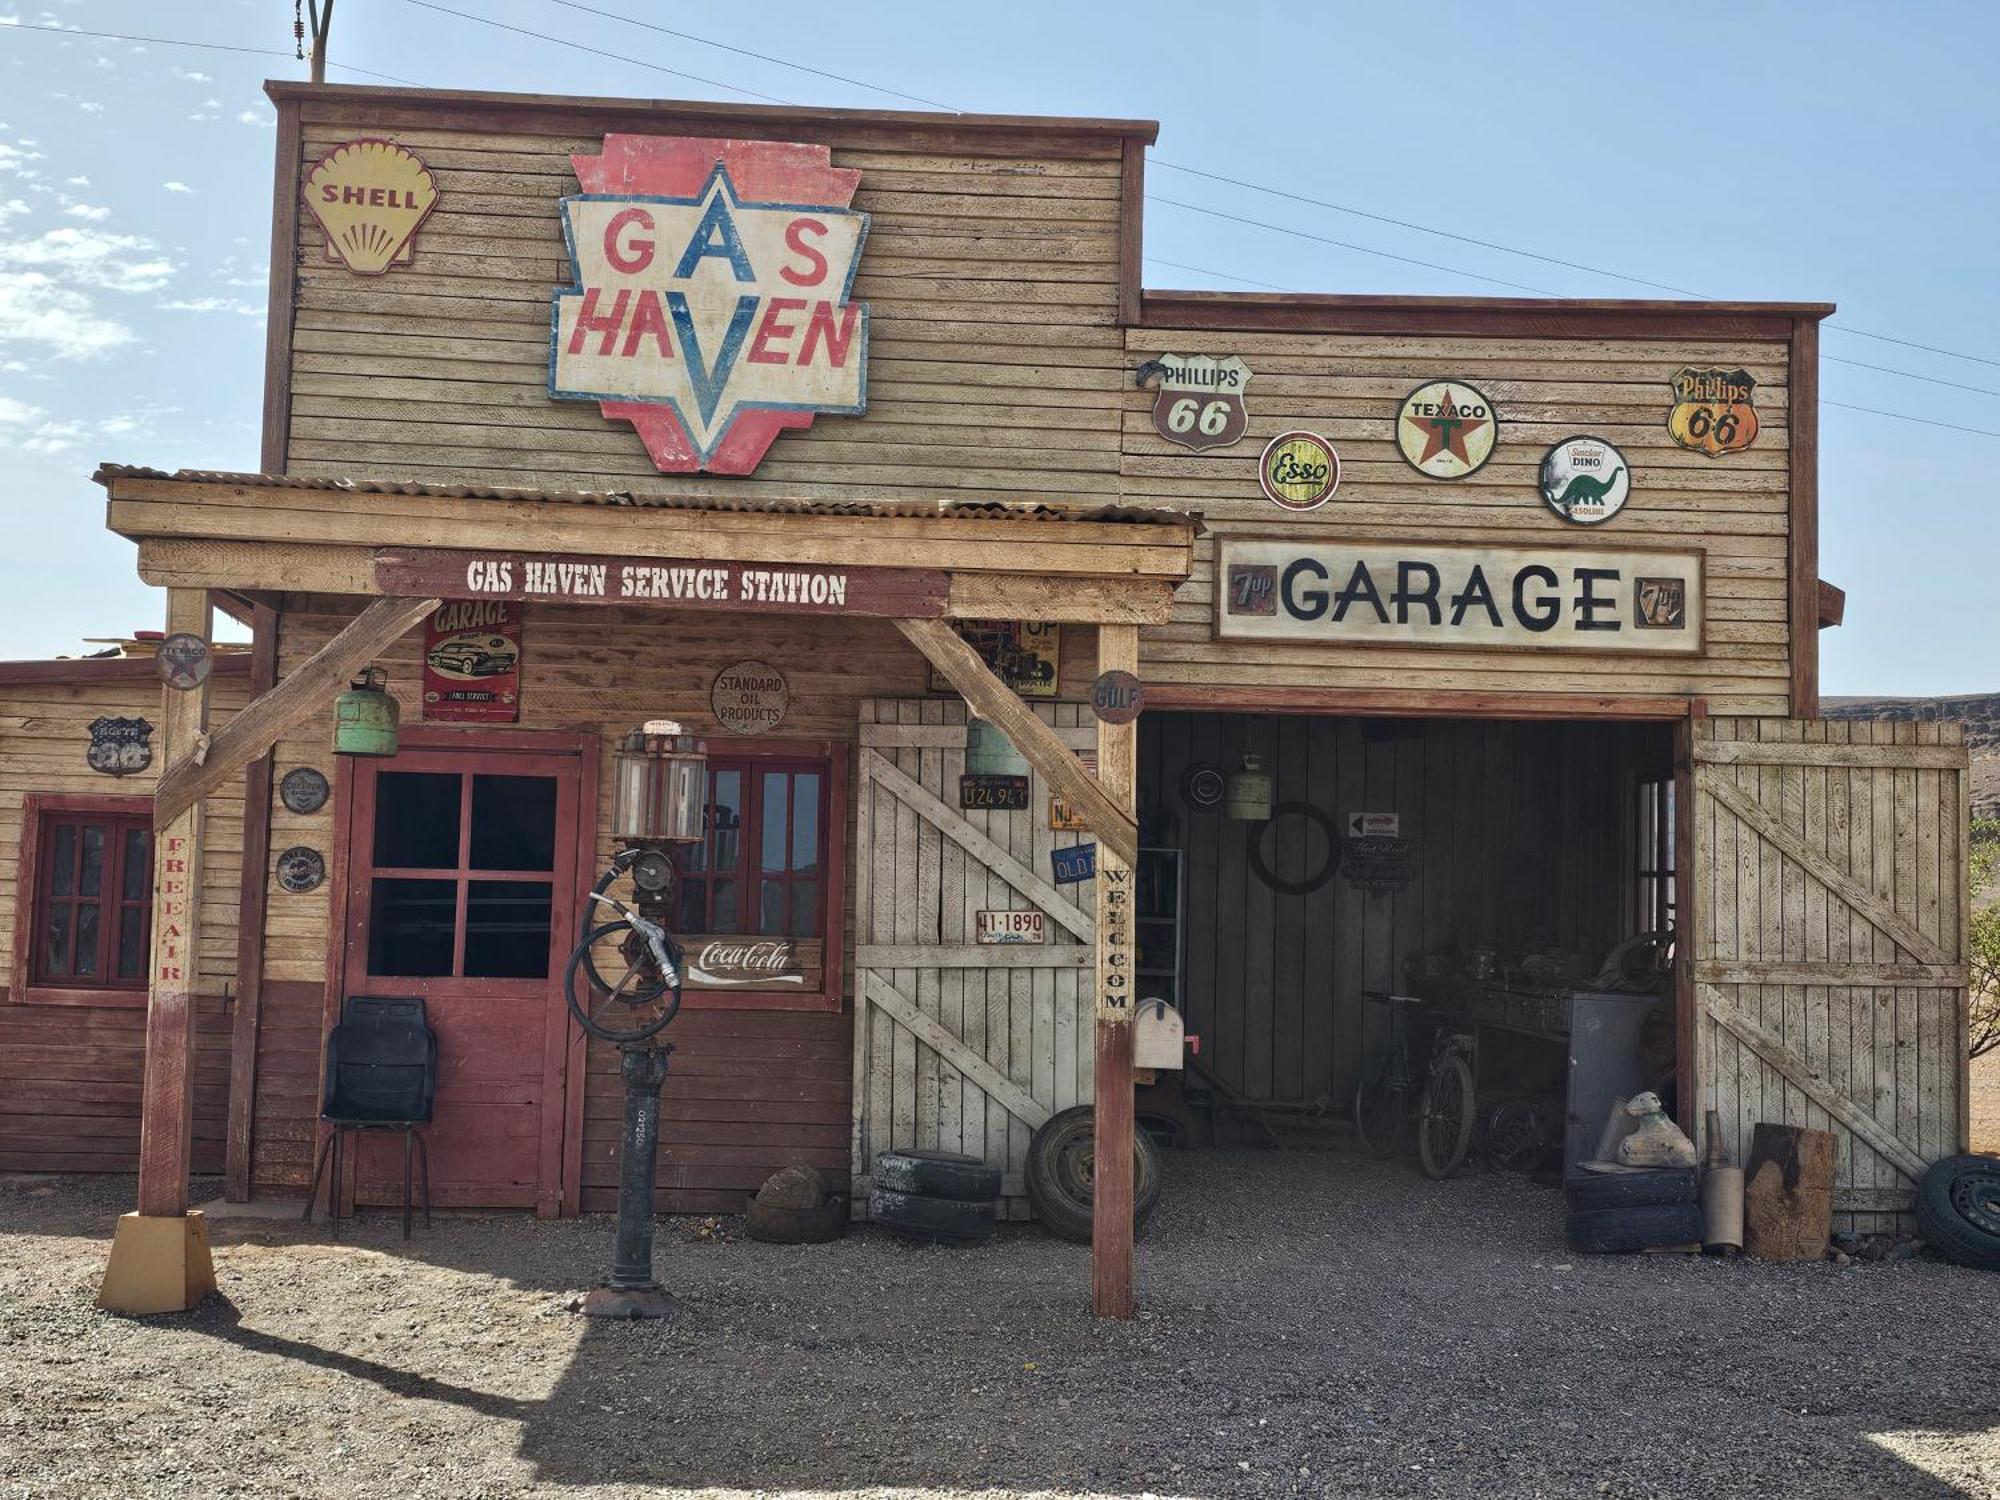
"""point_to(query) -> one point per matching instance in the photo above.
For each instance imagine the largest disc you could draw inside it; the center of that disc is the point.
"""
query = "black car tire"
(916, 1217)
(1958, 1209)
(1593, 1190)
(1059, 1176)
(1612, 1231)
(937, 1174)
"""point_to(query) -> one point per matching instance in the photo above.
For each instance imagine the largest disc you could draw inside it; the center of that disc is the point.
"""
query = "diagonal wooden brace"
(998, 704)
(260, 726)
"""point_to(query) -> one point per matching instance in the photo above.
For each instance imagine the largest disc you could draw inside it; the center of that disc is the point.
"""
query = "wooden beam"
(1814, 753)
(291, 702)
(1809, 1081)
(1863, 900)
(166, 1096)
(1115, 828)
(1111, 1226)
(1835, 974)
(253, 892)
(1832, 605)
(1802, 419)
(1083, 601)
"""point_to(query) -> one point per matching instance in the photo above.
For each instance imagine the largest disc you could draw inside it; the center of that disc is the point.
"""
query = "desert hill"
(1979, 712)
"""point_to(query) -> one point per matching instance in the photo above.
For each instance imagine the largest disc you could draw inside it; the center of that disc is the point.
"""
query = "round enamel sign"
(1299, 470)
(750, 697)
(1585, 480)
(1446, 429)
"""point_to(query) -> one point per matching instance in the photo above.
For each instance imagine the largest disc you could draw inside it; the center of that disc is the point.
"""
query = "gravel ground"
(1313, 1324)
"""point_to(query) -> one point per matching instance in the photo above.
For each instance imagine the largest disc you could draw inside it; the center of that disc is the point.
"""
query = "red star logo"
(1446, 432)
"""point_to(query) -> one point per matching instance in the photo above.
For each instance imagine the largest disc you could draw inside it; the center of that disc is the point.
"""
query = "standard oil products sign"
(1471, 597)
(711, 307)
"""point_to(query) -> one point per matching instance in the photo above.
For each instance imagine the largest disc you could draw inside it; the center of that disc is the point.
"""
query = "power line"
(688, 36)
(542, 36)
(168, 41)
(1906, 417)
(1174, 265)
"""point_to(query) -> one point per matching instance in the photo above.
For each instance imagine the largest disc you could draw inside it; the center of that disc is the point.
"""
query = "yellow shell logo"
(370, 196)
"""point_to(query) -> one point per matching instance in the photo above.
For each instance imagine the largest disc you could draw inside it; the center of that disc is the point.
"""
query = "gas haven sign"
(1422, 594)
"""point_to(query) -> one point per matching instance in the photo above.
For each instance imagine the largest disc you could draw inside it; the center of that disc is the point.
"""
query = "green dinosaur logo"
(1585, 480)
(1588, 489)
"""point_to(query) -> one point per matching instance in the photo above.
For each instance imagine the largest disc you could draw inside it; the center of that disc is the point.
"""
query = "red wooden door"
(461, 888)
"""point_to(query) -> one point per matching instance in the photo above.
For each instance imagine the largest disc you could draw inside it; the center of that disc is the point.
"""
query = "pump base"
(158, 1265)
(628, 1303)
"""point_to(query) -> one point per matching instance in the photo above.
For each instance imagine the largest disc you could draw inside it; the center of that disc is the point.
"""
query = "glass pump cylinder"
(659, 785)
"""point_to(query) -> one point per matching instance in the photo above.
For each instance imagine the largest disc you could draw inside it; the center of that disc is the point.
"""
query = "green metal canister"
(365, 717)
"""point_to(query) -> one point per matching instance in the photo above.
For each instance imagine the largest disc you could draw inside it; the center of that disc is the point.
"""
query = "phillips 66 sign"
(710, 306)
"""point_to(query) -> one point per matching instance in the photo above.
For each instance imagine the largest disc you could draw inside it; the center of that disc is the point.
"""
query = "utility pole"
(321, 12)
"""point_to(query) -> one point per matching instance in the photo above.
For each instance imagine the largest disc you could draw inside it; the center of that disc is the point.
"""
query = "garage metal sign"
(472, 662)
(710, 304)
(1550, 598)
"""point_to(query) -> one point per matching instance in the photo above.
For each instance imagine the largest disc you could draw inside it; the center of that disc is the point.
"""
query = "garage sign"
(472, 662)
(1548, 598)
(710, 306)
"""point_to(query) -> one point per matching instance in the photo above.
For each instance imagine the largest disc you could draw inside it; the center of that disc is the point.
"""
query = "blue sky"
(1837, 152)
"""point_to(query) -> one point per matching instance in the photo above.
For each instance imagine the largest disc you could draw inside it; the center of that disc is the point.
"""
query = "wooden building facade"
(475, 416)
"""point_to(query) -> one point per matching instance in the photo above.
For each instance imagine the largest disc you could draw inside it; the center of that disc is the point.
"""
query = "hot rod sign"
(710, 306)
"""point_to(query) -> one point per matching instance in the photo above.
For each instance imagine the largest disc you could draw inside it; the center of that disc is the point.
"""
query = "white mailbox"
(1159, 1039)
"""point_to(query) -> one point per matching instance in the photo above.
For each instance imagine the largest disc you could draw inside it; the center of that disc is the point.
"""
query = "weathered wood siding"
(1830, 941)
(70, 1074)
(1348, 388)
(1523, 833)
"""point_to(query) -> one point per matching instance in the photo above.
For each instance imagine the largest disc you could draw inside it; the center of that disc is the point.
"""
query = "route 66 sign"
(119, 747)
(1200, 404)
(1713, 410)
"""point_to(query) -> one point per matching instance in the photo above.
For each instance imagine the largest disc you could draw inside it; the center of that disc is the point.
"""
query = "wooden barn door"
(1829, 942)
(960, 1046)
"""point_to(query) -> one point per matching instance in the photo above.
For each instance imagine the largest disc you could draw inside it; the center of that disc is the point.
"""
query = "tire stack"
(1651, 1209)
(938, 1197)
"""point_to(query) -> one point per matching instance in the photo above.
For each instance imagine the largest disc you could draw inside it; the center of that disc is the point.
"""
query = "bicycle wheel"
(1382, 1111)
(1445, 1132)
(628, 1010)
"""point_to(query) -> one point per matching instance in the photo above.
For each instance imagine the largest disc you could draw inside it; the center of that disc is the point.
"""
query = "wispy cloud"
(92, 212)
(213, 305)
(188, 75)
(265, 117)
(15, 413)
(53, 438)
(177, 187)
(36, 309)
(93, 258)
(14, 160)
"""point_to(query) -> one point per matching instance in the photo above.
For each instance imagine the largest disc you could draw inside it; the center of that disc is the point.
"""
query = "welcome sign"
(710, 307)
(1466, 596)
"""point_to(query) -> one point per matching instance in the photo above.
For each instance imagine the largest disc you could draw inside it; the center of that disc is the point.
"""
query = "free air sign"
(1547, 598)
(710, 307)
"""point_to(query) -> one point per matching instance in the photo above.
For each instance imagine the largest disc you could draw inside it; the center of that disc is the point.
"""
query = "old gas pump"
(623, 982)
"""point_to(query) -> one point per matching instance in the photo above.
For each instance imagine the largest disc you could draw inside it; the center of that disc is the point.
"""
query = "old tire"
(1612, 1231)
(937, 1174)
(1958, 1209)
(1662, 1185)
(1061, 1174)
(952, 1221)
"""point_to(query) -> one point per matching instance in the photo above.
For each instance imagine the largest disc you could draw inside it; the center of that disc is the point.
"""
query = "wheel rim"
(1076, 1169)
(1976, 1197)
(1447, 1122)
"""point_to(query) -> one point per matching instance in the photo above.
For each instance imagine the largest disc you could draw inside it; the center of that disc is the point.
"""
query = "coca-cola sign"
(725, 962)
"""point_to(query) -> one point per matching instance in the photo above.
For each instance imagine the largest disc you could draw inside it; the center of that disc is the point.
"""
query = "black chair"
(381, 1071)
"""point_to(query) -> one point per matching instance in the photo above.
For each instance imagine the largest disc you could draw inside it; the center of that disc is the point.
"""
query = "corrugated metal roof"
(940, 509)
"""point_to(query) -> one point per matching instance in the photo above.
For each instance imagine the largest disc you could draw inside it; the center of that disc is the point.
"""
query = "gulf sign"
(710, 306)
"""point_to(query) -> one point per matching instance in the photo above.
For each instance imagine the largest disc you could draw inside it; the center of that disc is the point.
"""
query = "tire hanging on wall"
(1061, 1174)
(937, 1174)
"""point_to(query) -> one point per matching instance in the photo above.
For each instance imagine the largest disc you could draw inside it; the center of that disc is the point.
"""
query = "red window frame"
(831, 760)
(41, 814)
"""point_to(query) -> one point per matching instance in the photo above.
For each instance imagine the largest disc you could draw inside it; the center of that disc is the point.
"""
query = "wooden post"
(159, 1256)
(1111, 1207)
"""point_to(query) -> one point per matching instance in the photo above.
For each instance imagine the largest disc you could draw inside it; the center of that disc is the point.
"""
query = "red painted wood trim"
(336, 951)
(563, 114)
(1132, 233)
(574, 1051)
(1475, 317)
(1804, 425)
(94, 669)
(1114, 1124)
(253, 897)
(27, 879)
(1414, 703)
(284, 286)
(1687, 887)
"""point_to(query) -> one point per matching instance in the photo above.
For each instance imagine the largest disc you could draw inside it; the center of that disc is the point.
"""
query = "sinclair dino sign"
(710, 306)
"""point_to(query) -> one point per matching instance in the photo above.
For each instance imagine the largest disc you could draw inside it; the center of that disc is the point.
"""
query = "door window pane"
(132, 942)
(507, 929)
(62, 877)
(416, 820)
(86, 942)
(771, 908)
(136, 881)
(724, 911)
(513, 823)
(55, 941)
(805, 821)
(777, 821)
(90, 879)
(411, 924)
(805, 909)
(726, 812)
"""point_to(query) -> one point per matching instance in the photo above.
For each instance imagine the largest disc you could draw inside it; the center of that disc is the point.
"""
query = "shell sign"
(710, 307)
(370, 196)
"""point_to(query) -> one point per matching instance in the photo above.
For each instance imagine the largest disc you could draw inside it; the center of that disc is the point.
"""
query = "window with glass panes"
(93, 900)
(761, 871)
(1654, 905)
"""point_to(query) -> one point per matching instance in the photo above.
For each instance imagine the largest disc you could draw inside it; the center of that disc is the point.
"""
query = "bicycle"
(1387, 1099)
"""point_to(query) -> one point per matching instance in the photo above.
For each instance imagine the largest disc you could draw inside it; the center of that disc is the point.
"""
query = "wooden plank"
(1800, 1073)
(1111, 1228)
(974, 956)
(1829, 972)
(952, 736)
(1802, 407)
(302, 694)
(1116, 829)
(1018, 1101)
(1801, 753)
(252, 894)
(1883, 916)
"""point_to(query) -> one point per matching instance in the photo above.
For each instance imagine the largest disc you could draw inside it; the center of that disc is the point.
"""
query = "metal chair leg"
(424, 1162)
(333, 1191)
(407, 1134)
(319, 1166)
